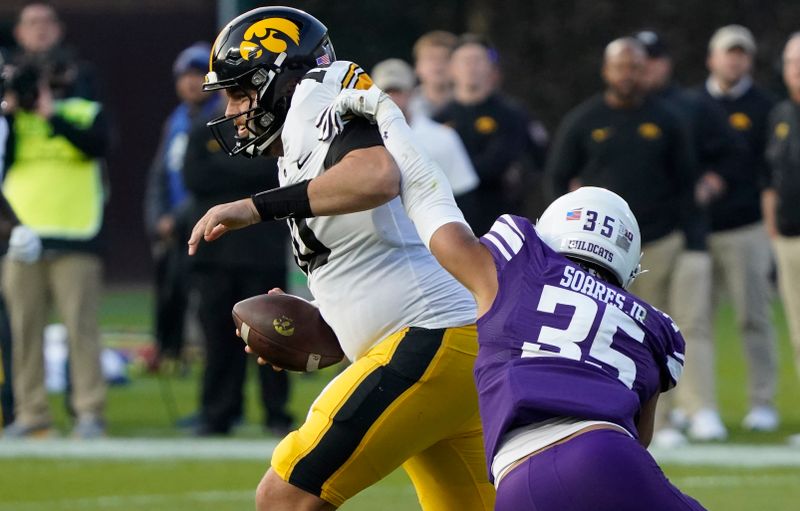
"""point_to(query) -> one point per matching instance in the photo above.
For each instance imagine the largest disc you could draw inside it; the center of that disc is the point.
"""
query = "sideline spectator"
(241, 265)
(494, 130)
(691, 290)
(739, 244)
(431, 61)
(633, 145)
(782, 196)
(165, 198)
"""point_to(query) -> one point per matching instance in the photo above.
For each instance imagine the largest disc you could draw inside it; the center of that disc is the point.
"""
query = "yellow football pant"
(409, 401)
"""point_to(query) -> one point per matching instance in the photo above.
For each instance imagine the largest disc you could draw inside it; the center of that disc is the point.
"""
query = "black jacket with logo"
(741, 203)
(783, 155)
(212, 177)
(496, 136)
(714, 145)
(644, 154)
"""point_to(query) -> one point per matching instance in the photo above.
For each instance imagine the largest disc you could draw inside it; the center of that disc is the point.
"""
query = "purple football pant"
(600, 470)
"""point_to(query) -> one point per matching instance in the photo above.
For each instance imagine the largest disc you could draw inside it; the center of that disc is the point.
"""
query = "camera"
(24, 83)
(55, 70)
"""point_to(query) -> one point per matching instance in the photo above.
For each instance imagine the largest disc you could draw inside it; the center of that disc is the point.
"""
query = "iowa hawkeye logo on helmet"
(261, 35)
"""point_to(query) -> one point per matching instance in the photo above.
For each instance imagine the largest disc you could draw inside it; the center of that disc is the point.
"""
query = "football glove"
(363, 103)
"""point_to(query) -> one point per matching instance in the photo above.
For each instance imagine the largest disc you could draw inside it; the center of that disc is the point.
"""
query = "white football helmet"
(597, 226)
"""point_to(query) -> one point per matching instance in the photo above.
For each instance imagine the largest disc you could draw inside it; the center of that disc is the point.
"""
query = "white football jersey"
(369, 272)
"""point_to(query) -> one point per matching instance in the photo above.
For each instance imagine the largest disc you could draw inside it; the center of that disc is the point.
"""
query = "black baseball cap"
(653, 43)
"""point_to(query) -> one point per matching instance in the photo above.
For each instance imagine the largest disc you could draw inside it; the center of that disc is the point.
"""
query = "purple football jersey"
(558, 342)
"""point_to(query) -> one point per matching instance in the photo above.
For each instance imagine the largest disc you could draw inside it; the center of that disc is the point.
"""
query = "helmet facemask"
(263, 126)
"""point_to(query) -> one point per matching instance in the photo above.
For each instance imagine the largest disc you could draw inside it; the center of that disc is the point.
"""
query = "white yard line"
(155, 449)
(720, 455)
(730, 481)
(730, 455)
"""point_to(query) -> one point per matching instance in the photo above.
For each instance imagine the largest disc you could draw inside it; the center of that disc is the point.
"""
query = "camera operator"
(54, 184)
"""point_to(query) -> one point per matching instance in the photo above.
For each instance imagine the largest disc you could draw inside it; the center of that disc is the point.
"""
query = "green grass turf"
(737, 489)
(67, 485)
(148, 406)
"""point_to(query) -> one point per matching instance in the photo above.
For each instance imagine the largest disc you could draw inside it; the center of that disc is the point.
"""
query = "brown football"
(287, 332)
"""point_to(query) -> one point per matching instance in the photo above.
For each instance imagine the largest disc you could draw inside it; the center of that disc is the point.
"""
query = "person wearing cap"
(496, 131)
(166, 198)
(738, 242)
(782, 195)
(188, 173)
(690, 294)
(396, 78)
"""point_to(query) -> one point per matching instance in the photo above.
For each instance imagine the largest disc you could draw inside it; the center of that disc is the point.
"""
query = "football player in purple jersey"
(570, 365)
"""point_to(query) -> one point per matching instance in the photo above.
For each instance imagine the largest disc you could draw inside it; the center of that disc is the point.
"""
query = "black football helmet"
(266, 50)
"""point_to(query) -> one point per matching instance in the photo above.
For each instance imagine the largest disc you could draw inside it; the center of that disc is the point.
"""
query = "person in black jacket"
(633, 145)
(243, 264)
(739, 245)
(496, 133)
(165, 199)
(782, 196)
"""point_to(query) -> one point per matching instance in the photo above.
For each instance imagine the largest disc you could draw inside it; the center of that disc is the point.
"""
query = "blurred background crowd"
(690, 112)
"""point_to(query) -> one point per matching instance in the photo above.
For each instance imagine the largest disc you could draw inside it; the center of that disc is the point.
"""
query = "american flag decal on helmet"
(323, 60)
(574, 214)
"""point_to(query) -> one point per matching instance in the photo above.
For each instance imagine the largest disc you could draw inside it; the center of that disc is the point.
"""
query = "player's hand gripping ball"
(286, 331)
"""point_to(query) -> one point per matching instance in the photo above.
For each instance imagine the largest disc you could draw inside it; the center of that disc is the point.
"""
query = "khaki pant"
(73, 282)
(659, 258)
(787, 252)
(692, 310)
(742, 261)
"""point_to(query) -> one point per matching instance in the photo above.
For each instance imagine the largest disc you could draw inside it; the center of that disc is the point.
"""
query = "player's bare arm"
(363, 179)
(460, 253)
(646, 422)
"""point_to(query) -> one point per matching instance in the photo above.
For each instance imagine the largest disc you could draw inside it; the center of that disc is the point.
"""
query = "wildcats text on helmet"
(592, 248)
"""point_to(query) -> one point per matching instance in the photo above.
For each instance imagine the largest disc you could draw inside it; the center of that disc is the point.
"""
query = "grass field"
(766, 476)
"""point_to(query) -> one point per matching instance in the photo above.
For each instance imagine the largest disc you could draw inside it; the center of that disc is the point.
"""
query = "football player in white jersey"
(408, 398)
